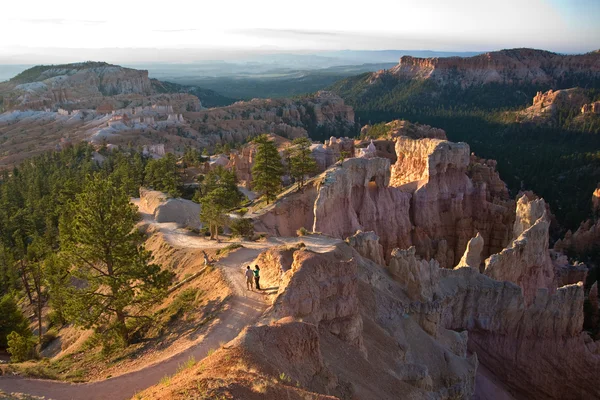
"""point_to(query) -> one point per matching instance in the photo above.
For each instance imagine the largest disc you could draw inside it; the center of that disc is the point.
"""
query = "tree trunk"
(26, 283)
(122, 327)
(37, 281)
(39, 315)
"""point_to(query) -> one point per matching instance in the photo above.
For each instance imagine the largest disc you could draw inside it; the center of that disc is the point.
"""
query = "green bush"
(223, 252)
(21, 348)
(302, 232)
(11, 320)
(242, 211)
(242, 227)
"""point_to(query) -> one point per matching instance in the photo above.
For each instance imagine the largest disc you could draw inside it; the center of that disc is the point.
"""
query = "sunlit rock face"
(516, 66)
(448, 207)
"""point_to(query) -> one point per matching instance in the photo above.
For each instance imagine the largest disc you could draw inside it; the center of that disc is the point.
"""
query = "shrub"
(11, 320)
(242, 227)
(183, 303)
(227, 249)
(21, 348)
(302, 232)
(112, 340)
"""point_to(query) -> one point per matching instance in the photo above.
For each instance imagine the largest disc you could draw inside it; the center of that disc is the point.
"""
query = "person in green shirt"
(257, 277)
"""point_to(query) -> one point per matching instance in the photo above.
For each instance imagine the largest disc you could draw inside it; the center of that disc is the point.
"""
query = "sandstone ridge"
(515, 66)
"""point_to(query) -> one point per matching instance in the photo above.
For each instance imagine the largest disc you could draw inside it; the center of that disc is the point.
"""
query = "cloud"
(59, 21)
(175, 30)
(265, 32)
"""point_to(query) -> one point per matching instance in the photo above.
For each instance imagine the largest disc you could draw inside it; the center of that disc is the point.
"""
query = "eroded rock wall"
(426, 200)
(322, 289)
(447, 207)
(526, 261)
(356, 196)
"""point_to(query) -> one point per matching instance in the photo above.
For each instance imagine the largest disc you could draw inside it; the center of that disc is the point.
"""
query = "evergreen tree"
(11, 320)
(220, 194)
(267, 169)
(99, 240)
(57, 280)
(161, 174)
(302, 163)
(36, 252)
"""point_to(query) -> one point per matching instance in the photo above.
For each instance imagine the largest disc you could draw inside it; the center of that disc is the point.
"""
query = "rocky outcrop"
(414, 275)
(328, 107)
(547, 105)
(293, 348)
(241, 163)
(586, 239)
(472, 256)
(524, 345)
(406, 306)
(421, 160)
(447, 207)
(396, 128)
(592, 108)
(525, 334)
(427, 200)
(367, 245)
(183, 212)
(330, 152)
(307, 116)
(516, 66)
(356, 196)
(68, 83)
(322, 289)
(384, 148)
(482, 171)
(526, 260)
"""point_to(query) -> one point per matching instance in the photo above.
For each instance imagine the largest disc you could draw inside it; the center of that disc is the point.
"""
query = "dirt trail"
(244, 309)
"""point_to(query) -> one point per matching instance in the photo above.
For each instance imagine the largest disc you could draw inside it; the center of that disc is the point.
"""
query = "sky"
(140, 30)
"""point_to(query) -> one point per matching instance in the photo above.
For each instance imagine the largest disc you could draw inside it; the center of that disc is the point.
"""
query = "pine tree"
(162, 175)
(302, 163)
(11, 319)
(99, 240)
(267, 169)
(220, 194)
(57, 281)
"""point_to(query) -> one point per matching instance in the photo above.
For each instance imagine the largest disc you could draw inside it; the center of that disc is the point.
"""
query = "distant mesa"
(513, 66)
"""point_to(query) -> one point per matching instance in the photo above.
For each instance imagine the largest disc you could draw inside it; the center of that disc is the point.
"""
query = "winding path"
(244, 309)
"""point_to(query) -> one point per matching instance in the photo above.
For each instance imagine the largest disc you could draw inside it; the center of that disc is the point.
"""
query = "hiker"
(257, 277)
(205, 258)
(249, 276)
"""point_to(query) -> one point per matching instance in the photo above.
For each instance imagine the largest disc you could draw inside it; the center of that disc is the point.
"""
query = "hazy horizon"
(63, 31)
